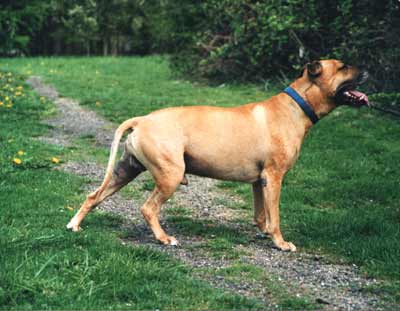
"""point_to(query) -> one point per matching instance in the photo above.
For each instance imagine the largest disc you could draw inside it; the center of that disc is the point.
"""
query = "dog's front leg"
(271, 195)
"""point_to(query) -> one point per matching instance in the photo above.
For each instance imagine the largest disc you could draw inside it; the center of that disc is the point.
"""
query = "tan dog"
(255, 143)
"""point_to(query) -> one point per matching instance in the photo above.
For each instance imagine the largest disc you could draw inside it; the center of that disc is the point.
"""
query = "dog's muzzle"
(347, 94)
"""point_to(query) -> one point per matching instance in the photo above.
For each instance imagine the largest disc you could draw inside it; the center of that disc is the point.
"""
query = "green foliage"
(96, 26)
(244, 40)
(387, 100)
(81, 23)
(19, 21)
(253, 40)
(172, 24)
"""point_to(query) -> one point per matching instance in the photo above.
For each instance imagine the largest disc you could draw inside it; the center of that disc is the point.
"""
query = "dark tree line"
(85, 27)
(218, 39)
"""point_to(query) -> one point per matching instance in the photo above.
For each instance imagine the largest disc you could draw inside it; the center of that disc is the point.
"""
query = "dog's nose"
(363, 75)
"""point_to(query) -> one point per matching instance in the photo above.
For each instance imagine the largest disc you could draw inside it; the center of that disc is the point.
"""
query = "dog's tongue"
(360, 97)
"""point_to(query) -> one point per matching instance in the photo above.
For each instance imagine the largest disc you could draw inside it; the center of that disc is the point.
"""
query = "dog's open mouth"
(355, 98)
(348, 95)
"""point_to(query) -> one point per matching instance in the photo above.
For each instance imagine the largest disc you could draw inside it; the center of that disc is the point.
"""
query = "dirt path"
(333, 286)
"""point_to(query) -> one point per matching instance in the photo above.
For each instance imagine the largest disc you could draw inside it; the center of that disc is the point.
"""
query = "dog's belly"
(233, 169)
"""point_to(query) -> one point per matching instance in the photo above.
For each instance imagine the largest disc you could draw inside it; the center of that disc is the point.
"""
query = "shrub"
(252, 40)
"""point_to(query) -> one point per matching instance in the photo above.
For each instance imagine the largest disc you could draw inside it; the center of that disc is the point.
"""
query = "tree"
(19, 21)
(81, 24)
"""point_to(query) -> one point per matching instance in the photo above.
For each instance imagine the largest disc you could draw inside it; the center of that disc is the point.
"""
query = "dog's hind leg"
(167, 180)
(126, 170)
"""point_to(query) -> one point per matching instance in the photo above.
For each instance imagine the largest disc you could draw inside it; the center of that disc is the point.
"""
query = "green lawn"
(123, 87)
(42, 265)
(342, 198)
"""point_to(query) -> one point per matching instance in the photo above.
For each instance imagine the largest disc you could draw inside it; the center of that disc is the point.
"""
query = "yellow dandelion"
(17, 161)
(9, 105)
(42, 99)
(98, 103)
(20, 152)
(19, 88)
(1, 103)
(69, 208)
(17, 93)
(7, 98)
(55, 160)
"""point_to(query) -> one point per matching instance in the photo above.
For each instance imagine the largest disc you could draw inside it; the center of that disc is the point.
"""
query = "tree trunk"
(88, 48)
(114, 45)
(57, 46)
(105, 47)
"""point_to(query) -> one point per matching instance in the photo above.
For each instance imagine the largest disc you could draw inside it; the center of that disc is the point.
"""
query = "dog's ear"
(314, 69)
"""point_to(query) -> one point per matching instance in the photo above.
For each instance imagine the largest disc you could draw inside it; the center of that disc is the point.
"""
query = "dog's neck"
(312, 93)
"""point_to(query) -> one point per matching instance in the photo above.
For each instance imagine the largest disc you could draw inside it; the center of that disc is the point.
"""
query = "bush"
(252, 40)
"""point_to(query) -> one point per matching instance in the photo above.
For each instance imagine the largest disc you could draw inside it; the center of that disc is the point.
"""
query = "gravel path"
(333, 286)
(72, 121)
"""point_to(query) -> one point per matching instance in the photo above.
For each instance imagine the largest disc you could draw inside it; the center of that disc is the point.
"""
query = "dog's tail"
(128, 124)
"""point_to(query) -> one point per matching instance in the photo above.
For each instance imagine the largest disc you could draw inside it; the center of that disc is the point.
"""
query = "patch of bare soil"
(334, 286)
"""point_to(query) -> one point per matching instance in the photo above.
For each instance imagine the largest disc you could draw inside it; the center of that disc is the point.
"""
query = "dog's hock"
(263, 181)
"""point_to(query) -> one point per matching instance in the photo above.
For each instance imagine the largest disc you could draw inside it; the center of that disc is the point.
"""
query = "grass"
(123, 87)
(278, 295)
(342, 197)
(45, 267)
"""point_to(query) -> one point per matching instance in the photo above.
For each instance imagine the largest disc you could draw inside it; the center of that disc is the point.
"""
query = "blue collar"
(302, 103)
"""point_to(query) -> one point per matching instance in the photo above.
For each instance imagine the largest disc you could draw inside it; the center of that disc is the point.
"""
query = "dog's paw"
(287, 247)
(73, 227)
(170, 240)
(174, 242)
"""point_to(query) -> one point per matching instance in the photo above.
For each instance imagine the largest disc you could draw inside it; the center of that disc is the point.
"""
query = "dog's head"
(334, 83)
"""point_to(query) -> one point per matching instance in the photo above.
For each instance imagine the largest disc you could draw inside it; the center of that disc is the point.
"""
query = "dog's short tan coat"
(250, 143)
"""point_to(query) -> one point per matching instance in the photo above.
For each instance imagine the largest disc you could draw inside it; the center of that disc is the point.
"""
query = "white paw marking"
(174, 243)
(73, 226)
(292, 247)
